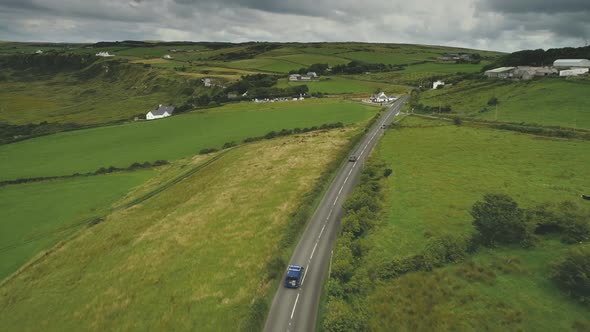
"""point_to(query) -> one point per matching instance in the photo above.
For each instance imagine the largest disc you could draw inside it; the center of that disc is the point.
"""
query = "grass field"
(444, 68)
(264, 64)
(191, 258)
(111, 92)
(37, 215)
(172, 138)
(440, 170)
(548, 102)
(341, 85)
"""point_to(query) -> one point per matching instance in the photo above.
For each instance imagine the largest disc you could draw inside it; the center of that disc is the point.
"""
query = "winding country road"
(296, 309)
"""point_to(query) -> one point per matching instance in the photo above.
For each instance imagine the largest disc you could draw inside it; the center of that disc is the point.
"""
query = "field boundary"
(97, 219)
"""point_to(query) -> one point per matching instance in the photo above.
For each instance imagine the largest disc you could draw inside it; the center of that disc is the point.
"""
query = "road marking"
(295, 305)
(312, 252)
(322, 231)
(329, 214)
(305, 272)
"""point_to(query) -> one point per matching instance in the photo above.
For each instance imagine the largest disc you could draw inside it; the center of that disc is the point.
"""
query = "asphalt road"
(296, 309)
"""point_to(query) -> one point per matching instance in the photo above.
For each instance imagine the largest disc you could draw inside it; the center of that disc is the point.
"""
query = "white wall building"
(574, 72)
(502, 72)
(104, 54)
(161, 112)
(436, 84)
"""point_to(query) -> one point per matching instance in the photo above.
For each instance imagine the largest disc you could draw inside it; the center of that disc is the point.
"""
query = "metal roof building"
(572, 63)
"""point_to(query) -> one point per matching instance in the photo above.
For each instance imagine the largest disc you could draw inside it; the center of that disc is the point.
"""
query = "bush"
(493, 101)
(207, 151)
(457, 121)
(572, 274)
(387, 172)
(498, 220)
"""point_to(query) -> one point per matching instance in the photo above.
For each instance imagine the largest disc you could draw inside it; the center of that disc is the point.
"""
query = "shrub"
(207, 151)
(572, 274)
(498, 219)
(229, 145)
(493, 101)
(387, 172)
(457, 121)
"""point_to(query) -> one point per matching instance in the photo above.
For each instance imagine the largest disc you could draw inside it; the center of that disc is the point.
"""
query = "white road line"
(321, 232)
(313, 251)
(329, 214)
(305, 273)
(295, 305)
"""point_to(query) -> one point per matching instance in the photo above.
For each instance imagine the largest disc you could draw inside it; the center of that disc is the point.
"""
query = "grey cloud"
(493, 24)
(536, 6)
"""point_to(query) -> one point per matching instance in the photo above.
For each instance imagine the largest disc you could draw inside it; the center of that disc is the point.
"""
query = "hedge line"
(273, 134)
(102, 170)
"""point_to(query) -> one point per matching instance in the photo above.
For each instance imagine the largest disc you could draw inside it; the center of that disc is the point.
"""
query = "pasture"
(546, 102)
(172, 138)
(440, 171)
(35, 216)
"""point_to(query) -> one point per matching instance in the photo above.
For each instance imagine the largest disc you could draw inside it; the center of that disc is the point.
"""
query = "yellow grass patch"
(188, 258)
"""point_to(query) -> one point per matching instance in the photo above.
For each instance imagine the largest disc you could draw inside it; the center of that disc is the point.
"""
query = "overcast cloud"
(504, 25)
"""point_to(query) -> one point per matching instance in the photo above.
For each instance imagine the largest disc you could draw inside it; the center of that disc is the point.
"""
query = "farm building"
(573, 72)
(161, 112)
(571, 63)
(502, 72)
(381, 97)
(527, 73)
(167, 56)
(104, 54)
(436, 84)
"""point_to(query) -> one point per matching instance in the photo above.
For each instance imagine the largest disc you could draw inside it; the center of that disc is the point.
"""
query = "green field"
(341, 85)
(37, 215)
(264, 64)
(169, 139)
(440, 170)
(191, 258)
(547, 102)
(444, 68)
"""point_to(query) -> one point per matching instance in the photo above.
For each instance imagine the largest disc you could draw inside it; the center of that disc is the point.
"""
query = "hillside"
(544, 102)
(177, 260)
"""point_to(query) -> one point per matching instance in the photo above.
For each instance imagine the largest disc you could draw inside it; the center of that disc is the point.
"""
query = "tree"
(498, 220)
(572, 274)
(493, 101)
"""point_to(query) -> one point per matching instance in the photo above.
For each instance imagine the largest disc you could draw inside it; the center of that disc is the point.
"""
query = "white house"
(161, 112)
(436, 84)
(207, 82)
(312, 74)
(381, 97)
(104, 54)
(167, 56)
(38, 52)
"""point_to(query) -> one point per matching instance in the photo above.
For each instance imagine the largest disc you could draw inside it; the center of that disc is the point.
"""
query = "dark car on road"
(352, 158)
(294, 276)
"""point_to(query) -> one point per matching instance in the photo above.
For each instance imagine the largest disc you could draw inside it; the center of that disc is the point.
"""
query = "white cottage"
(161, 112)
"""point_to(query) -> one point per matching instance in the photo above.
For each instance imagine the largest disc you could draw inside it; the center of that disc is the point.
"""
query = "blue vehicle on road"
(294, 276)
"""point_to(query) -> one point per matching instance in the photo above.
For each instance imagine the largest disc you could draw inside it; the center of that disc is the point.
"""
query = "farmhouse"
(161, 112)
(307, 77)
(381, 97)
(207, 82)
(502, 72)
(167, 56)
(104, 54)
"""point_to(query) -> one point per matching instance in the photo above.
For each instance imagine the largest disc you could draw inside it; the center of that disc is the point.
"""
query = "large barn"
(571, 63)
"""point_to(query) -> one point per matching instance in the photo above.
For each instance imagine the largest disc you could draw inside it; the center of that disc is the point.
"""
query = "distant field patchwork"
(176, 137)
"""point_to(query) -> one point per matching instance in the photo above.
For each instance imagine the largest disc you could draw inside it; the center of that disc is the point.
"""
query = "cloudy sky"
(503, 25)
